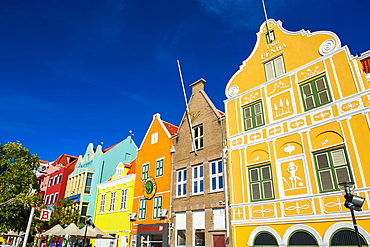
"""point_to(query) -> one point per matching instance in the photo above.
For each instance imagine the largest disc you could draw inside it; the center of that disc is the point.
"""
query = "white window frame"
(216, 175)
(102, 202)
(198, 134)
(157, 206)
(271, 70)
(142, 209)
(144, 171)
(154, 138)
(198, 179)
(181, 183)
(124, 199)
(159, 167)
(56, 196)
(112, 200)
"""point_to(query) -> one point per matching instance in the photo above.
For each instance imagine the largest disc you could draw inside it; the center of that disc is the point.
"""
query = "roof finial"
(131, 134)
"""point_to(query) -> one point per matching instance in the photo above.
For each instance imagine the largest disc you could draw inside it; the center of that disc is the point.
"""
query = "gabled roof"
(170, 127)
(64, 160)
(132, 166)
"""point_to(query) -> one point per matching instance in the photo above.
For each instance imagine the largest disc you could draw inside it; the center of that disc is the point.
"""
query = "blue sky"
(74, 72)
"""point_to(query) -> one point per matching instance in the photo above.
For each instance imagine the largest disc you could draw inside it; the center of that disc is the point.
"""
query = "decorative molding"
(233, 91)
(326, 47)
(277, 85)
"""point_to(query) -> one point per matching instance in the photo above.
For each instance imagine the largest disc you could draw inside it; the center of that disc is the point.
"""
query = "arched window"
(265, 238)
(346, 237)
(302, 238)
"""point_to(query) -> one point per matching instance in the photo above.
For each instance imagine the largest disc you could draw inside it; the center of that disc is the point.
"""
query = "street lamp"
(352, 202)
(88, 223)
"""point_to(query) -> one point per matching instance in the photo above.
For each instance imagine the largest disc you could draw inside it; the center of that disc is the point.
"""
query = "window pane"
(342, 174)
(195, 172)
(214, 187)
(254, 175)
(248, 123)
(310, 103)
(257, 108)
(338, 157)
(266, 173)
(220, 182)
(199, 238)
(326, 180)
(213, 168)
(320, 84)
(259, 120)
(219, 166)
(267, 190)
(179, 176)
(184, 189)
(269, 70)
(279, 66)
(184, 172)
(324, 97)
(247, 112)
(181, 237)
(322, 161)
(256, 194)
(307, 89)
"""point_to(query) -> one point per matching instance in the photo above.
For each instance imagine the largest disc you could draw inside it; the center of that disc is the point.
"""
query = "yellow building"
(114, 205)
(297, 124)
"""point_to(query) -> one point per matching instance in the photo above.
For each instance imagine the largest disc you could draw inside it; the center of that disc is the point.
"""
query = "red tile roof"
(170, 127)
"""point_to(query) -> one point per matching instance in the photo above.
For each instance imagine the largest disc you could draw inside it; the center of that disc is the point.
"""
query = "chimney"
(198, 85)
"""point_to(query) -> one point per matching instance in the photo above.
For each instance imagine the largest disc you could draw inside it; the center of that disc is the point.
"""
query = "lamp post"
(352, 202)
(88, 223)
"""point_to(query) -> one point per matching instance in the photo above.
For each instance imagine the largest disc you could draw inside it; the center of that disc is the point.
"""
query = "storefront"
(153, 235)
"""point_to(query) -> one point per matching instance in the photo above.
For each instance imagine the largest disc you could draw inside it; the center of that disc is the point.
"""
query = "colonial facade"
(114, 205)
(198, 214)
(151, 206)
(55, 176)
(298, 120)
(94, 167)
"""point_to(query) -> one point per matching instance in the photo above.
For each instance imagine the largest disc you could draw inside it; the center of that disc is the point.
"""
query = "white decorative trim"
(326, 47)
(279, 25)
(298, 227)
(335, 227)
(233, 91)
(256, 231)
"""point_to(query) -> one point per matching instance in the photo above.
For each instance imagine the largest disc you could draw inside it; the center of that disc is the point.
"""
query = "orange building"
(152, 186)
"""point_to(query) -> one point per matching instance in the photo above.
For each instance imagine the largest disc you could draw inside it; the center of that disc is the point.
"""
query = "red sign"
(45, 215)
(152, 228)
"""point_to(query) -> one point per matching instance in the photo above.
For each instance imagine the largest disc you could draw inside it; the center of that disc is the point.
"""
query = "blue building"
(94, 167)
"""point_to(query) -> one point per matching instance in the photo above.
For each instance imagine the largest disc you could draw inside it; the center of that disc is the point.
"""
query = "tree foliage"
(63, 213)
(18, 184)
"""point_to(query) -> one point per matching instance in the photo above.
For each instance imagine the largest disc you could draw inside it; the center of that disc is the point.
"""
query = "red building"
(56, 177)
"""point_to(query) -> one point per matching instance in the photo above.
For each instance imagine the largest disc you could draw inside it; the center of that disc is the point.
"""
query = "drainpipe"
(224, 162)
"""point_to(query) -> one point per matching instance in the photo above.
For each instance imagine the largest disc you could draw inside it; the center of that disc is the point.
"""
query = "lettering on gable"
(273, 48)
